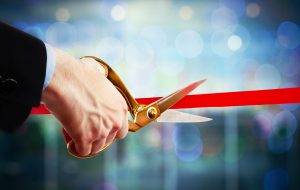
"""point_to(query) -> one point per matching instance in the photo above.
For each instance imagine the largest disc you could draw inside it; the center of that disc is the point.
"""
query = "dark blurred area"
(236, 44)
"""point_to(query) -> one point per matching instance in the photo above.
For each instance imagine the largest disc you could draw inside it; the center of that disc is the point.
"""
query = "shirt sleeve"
(50, 67)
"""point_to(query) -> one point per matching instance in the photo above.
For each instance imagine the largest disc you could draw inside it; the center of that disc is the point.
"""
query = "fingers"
(80, 97)
(117, 132)
(111, 137)
(119, 129)
(93, 63)
(97, 145)
(83, 149)
(91, 147)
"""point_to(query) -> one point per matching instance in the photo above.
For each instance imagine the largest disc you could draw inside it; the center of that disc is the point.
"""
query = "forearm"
(77, 93)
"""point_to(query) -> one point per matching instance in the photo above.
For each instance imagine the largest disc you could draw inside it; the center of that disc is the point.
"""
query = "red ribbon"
(224, 99)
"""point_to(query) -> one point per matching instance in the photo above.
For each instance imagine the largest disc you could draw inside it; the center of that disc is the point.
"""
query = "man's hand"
(89, 107)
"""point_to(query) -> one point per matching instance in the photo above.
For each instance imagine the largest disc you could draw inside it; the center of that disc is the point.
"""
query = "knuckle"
(95, 129)
(103, 134)
(118, 126)
(122, 135)
(83, 138)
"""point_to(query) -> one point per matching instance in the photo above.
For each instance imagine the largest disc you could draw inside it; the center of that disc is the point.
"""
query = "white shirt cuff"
(51, 62)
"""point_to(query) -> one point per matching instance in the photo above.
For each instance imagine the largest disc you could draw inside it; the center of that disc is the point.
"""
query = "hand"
(87, 104)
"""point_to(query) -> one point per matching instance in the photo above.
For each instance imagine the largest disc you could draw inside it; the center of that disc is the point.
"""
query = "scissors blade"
(174, 116)
(168, 101)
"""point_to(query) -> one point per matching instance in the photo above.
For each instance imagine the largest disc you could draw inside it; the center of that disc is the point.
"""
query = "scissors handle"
(133, 106)
(113, 77)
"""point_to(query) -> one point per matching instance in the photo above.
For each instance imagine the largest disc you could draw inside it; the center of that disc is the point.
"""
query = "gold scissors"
(144, 114)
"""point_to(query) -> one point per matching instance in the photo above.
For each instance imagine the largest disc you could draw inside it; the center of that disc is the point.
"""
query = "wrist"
(52, 91)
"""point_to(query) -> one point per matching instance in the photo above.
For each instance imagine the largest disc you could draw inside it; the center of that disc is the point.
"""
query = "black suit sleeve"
(22, 74)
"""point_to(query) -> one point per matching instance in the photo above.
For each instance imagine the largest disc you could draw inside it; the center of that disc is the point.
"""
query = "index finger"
(99, 67)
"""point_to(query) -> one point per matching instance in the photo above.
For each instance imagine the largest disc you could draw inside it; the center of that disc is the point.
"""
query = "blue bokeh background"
(158, 47)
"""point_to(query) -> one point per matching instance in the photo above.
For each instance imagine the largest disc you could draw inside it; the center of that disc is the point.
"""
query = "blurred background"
(157, 47)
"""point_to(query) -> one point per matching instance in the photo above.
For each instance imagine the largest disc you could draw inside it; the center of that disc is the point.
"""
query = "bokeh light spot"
(186, 12)
(189, 155)
(61, 34)
(262, 125)
(267, 76)
(252, 10)
(288, 35)
(155, 36)
(86, 32)
(35, 31)
(222, 18)
(226, 42)
(238, 6)
(219, 43)
(263, 40)
(118, 13)
(234, 42)
(152, 138)
(189, 44)
(276, 179)
(289, 62)
(188, 144)
(284, 124)
(244, 35)
(62, 15)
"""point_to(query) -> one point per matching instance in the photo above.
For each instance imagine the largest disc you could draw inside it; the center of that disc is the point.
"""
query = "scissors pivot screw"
(151, 113)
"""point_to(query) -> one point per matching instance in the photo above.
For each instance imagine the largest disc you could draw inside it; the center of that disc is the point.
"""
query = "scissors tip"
(193, 85)
(167, 101)
(201, 81)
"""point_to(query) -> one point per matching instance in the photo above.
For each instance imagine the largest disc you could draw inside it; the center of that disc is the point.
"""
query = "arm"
(88, 106)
